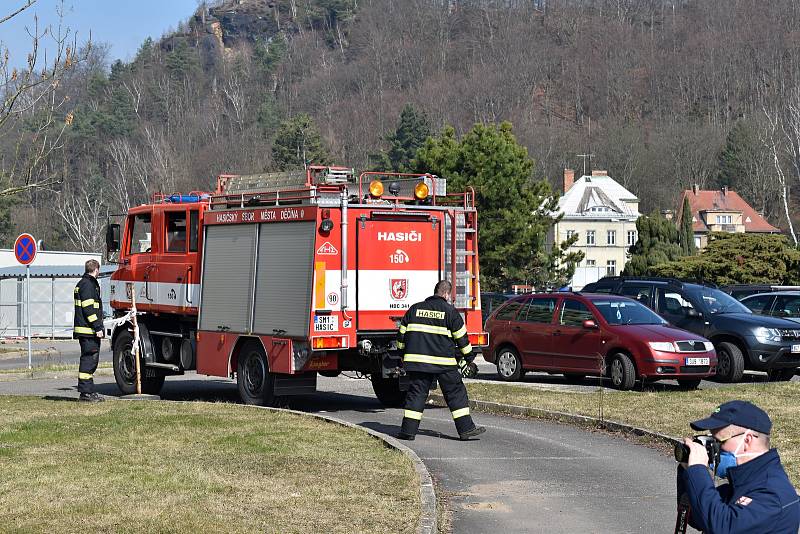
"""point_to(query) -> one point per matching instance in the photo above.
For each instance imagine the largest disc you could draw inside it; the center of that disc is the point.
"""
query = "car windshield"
(715, 302)
(618, 312)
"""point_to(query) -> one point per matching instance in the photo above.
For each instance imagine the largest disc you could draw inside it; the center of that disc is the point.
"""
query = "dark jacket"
(429, 333)
(758, 498)
(88, 308)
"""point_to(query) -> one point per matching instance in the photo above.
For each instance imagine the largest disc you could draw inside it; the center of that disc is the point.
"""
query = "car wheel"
(730, 362)
(387, 391)
(780, 375)
(125, 369)
(622, 372)
(509, 366)
(688, 383)
(255, 382)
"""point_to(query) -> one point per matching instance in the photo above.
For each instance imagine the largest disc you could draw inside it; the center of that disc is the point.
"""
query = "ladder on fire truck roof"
(288, 187)
(464, 273)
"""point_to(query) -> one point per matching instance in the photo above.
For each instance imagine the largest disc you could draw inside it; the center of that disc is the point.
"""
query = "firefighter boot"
(477, 431)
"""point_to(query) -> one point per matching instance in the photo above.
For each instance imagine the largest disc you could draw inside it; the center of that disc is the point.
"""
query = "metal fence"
(52, 306)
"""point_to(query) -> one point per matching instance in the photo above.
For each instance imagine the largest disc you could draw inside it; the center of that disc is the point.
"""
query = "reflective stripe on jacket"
(431, 335)
(88, 307)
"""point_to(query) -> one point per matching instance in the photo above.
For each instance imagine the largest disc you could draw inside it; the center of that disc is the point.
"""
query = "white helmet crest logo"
(399, 288)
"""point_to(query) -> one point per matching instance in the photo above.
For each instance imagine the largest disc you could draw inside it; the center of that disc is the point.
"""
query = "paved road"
(521, 476)
(14, 354)
(66, 352)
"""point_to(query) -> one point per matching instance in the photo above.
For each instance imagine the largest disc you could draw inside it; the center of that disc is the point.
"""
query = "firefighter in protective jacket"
(88, 329)
(429, 333)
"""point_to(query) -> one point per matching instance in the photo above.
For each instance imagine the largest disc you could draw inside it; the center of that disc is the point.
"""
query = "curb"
(582, 420)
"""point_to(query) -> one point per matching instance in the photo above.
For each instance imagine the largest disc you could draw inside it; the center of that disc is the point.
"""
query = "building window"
(590, 237)
(697, 241)
(611, 237)
(591, 263)
(632, 237)
(611, 268)
(570, 233)
(724, 219)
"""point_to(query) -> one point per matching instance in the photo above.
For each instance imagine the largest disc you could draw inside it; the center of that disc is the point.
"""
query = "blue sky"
(123, 24)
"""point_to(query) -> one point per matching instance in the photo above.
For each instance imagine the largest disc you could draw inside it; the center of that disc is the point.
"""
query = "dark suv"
(743, 340)
(579, 335)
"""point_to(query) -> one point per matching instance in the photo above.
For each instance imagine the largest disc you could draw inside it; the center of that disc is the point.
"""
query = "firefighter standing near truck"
(427, 335)
(88, 329)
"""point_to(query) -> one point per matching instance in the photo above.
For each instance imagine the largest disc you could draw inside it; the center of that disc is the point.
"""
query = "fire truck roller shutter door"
(229, 258)
(284, 280)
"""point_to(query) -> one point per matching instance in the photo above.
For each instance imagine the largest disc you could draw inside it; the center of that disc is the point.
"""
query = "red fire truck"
(276, 278)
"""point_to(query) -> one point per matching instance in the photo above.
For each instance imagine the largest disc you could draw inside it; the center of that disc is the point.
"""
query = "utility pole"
(584, 156)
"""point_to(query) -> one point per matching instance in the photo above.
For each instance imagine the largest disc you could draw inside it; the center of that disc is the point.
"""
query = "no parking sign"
(25, 252)
(25, 249)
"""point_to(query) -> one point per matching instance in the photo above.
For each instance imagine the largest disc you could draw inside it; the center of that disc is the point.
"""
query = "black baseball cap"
(739, 413)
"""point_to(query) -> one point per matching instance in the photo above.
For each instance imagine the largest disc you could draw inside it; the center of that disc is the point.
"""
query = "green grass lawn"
(667, 412)
(128, 466)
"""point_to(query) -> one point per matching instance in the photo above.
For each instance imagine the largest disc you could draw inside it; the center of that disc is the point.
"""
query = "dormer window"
(600, 209)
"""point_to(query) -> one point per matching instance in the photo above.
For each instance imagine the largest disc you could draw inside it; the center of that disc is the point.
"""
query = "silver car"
(784, 304)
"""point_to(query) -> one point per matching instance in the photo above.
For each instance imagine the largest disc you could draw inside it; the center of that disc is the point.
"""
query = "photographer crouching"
(758, 497)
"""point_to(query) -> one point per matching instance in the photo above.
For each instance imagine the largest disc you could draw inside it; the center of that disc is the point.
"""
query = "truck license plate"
(795, 348)
(697, 361)
(326, 323)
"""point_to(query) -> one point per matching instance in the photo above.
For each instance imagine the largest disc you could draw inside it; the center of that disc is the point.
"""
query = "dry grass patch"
(668, 412)
(174, 467)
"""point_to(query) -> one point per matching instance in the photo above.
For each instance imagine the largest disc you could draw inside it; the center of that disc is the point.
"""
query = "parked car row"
(647, 329)
(583, 334)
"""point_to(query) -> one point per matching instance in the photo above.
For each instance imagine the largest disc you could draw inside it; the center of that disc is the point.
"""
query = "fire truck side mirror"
(112, 238)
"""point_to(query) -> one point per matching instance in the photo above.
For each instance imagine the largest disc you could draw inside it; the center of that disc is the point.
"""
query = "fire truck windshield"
(141, 234)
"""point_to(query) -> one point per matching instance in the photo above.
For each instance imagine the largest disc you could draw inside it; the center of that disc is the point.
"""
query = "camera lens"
(681, 452)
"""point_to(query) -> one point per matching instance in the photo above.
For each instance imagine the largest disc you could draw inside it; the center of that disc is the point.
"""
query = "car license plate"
(698, 361)
(795, 348)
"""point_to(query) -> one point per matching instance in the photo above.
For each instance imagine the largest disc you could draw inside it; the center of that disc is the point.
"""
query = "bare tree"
(772, 136)
(32, 95)
(83, 214)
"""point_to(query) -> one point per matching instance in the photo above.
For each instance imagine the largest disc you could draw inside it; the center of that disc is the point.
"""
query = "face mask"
(728, 459)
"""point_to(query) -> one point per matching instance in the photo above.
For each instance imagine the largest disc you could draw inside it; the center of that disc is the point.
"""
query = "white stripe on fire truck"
(375, 288)
(161, 293)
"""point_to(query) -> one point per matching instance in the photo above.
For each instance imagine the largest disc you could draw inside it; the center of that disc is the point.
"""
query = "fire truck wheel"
(125, 368)
(388, 391)
(256, 383)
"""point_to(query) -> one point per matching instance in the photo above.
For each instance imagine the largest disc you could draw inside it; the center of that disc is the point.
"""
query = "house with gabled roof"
(721, 211)
(603, 214)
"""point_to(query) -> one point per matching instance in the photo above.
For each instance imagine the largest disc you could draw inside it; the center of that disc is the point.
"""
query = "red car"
(591, 334)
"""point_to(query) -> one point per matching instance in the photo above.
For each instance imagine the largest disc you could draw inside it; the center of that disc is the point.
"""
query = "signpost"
(25, 252)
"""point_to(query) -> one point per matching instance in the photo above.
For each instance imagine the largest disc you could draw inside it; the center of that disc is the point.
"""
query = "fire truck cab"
(276, 278)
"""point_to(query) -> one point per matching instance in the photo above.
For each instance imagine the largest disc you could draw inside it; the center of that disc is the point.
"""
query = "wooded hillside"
(664, 94)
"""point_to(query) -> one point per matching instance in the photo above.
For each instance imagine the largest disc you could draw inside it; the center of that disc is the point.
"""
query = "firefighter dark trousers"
(455, 394)
(90, 356)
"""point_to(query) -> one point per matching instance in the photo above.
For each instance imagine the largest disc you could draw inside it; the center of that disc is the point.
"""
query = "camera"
(711, 444)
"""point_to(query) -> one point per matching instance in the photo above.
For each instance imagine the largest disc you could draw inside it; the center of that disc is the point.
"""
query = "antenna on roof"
(584, 156)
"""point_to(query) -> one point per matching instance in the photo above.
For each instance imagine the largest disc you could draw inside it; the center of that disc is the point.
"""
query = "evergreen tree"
(515, 212)
(410, 135)
(742, 147)
(732, 258)
(298, 143)
(658, 242)
(412, 130)
(687, 231)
